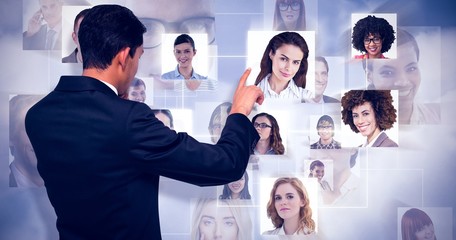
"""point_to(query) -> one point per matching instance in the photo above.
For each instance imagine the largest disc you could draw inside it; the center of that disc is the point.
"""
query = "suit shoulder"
(328, 99)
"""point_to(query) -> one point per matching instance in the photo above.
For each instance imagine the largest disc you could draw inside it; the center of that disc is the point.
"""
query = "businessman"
(75, 56)
(101, 156)
(321, 81)
(44, 29)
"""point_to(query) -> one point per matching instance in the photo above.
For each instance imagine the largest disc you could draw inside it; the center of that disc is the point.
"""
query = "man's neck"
(102, 75)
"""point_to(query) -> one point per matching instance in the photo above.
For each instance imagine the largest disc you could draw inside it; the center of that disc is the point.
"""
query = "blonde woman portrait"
(220, 219)
(289, 209)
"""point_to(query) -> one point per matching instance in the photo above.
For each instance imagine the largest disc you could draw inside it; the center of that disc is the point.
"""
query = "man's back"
(107, 155)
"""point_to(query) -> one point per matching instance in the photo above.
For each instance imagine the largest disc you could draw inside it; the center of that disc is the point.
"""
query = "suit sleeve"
(161, 151)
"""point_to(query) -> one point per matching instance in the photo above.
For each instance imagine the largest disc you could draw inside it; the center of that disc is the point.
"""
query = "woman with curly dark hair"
(270, 141)
(370, 112)
(289, 209)
(372, 36)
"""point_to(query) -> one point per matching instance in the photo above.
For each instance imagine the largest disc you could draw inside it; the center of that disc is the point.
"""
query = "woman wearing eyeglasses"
(270, 141)
(289, 15)
(372, 36)
(283, 68)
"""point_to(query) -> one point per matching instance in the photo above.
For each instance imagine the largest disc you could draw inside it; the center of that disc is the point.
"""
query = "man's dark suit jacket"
(38, 40)
(328, 99)
(101, 157)
(72, 58)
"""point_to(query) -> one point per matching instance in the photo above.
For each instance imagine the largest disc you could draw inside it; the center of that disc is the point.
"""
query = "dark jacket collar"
(82, 83)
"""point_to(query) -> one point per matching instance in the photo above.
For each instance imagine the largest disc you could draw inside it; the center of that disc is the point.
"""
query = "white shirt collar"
(110, 86)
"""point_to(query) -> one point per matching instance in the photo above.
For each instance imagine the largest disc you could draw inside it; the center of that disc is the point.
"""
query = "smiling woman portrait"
(372, 36)
(237, 190)
(283, 68)
(405, 75)
(370, 112)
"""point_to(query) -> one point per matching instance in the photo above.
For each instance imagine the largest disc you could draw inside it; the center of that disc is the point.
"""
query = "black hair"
(184, 38)
(316, 163)
(325, 118)
(105, 31)
(244, 194)
(375, 26)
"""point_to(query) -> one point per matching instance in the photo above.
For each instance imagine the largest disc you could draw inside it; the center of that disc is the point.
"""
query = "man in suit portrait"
(75, 56)
(321, 81)
(44, 30)
(101, 156)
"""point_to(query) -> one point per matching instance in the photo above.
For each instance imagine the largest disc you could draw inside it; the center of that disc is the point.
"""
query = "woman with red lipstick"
(289, 209)
(372, 36)
(270, 142)
(370, 112)
(289, 15)
(237, 190)
(284, 67)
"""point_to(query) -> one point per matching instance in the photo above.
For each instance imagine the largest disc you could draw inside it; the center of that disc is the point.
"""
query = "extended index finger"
(244, 78)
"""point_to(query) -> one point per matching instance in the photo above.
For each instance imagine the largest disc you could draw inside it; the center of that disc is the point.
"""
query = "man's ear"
(122, 57)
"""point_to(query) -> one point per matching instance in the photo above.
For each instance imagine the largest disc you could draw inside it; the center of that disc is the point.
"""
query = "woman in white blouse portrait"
(283, 68)
(289, 209)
